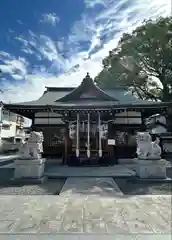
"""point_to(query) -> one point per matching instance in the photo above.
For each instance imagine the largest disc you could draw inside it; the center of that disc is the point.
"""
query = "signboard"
(111, 142)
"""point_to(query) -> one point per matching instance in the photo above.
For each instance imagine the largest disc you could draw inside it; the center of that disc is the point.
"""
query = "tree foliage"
(142, 61)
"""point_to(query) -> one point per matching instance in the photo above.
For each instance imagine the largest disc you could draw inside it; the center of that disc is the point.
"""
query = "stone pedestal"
(151, 169)
(29, 169)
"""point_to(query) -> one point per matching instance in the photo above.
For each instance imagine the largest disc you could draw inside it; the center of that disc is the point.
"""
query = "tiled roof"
(50, 98)
(87, 94)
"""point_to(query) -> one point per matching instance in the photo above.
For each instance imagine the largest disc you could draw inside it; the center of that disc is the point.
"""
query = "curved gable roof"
(87, 90)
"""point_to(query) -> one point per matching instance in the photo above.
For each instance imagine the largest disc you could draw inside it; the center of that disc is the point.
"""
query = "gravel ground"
(50, 187)
(137, 188)
(130, 187)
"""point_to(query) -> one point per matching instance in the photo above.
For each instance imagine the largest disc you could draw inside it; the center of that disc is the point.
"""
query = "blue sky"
(55, 42)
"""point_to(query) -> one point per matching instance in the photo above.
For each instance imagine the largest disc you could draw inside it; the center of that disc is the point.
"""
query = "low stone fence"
(9, 147)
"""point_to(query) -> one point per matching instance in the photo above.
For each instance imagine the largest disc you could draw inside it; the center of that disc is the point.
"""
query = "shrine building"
(88, 124)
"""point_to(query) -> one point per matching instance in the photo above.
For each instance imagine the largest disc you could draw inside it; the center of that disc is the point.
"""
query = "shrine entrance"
(89, 138)
(93, 152)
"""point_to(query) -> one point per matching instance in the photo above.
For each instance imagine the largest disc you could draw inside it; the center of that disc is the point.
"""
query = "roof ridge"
(59, 88)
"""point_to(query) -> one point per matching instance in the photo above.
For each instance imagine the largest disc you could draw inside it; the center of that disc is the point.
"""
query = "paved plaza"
(81, 236)
(87, 214)
(83, 207)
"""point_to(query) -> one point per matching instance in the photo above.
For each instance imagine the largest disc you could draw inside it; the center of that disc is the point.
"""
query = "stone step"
(110, 171)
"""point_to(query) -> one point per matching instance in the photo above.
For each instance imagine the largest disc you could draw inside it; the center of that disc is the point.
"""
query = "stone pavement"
(87, 237)
(85, 214)
(86, 205)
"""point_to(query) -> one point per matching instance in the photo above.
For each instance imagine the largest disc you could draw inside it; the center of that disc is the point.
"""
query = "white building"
(11, 129)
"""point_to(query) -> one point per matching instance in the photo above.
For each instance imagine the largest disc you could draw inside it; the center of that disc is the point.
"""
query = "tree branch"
(151, 96)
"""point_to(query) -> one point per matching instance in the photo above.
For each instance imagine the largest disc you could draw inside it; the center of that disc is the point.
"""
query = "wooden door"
(53, 144)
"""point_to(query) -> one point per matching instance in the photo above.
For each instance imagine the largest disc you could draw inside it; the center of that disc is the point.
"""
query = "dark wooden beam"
(111, 148)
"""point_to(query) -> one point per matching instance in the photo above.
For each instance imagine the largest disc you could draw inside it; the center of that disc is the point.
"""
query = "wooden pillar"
(77, 135)
(142, 127)
(88, 136)
(33, 121)
(100, 140)
(65, 160)
(111, 148)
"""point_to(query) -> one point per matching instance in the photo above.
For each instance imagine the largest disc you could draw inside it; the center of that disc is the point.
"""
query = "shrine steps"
(110, 171)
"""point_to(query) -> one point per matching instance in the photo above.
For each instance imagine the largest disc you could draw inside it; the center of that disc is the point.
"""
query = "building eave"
(28, 111)
(94, 104)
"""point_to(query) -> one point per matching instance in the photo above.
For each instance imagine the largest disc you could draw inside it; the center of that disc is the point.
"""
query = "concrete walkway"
(104, 187)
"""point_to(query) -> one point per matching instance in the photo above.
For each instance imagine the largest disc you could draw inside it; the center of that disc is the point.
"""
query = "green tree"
(142, 61)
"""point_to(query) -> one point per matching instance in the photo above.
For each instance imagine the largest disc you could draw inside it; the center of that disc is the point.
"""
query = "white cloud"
(14, 66)
(93, 3)
(43, 48)
(82, 30)
(4, 54)
(19, 22)
(6, 69)
(49, 50)
(102, 31)
(17, 76)
(51, 18)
